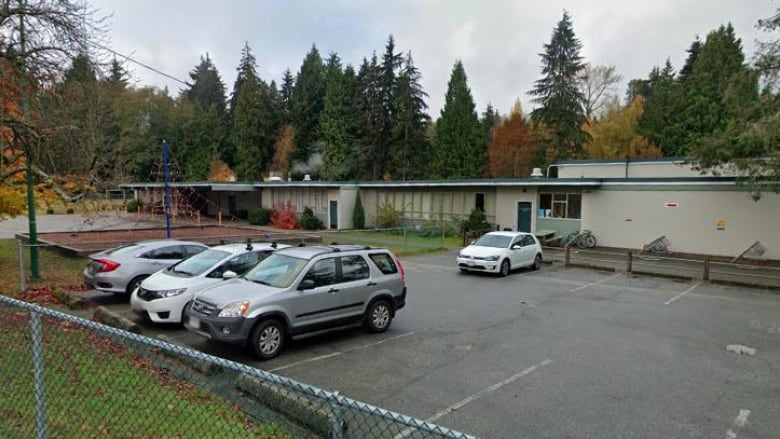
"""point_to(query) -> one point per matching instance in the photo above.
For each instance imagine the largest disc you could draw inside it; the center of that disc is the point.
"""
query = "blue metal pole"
(166, 195)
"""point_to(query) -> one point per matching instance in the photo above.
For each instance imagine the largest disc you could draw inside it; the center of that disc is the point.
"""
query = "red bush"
(284, 216)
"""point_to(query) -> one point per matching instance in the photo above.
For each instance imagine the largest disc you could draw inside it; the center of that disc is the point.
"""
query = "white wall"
(634, 218)
(506, 206)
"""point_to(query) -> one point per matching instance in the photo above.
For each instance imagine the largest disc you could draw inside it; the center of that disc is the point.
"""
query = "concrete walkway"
(75, 223)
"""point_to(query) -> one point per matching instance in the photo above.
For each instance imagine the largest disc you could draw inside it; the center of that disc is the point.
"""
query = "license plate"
(193, 322)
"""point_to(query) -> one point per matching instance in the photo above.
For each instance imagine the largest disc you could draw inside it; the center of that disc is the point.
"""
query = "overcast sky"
(497, 40)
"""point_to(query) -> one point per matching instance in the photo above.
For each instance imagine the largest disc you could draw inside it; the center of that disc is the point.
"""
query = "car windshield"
(277, 270)
(498, 241)
(199, 263)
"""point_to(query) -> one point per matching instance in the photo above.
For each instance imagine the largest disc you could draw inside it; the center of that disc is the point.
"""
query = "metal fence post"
(706, 275)
(406, 243)
(629, 262)
(567, 257)
(37, 355)
(338, 424)
(22, 280)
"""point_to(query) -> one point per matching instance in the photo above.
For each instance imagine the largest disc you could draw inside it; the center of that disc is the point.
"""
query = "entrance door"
(333, 214)
(524, 212)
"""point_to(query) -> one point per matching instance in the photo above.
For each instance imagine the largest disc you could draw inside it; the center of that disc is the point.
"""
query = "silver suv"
(298, 290)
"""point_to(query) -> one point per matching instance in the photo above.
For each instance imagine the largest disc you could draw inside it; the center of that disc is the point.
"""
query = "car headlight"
(235, 309)
(492, 258)
(172, 293)
(462, 255)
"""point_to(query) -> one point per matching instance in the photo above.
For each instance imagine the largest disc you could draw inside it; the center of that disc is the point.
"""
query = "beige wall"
(635, 170)
(346, 197)
(421, 204)
(691, 227)
(506, 206)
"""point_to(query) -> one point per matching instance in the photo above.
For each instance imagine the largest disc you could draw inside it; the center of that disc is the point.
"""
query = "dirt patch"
(84, 243)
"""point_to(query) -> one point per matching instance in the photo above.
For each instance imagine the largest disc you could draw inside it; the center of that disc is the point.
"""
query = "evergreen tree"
(459, 149)
(658, 119)
(388, 88)
(560, 100)
(207, 88)
(358, 214)
(412, 151)
(702, 110)
(307, 102)
(117, 74)
(207, 93)
(247, 114)
(369, 105)
(693, 53)
(285, 92)
(335, 125)
(490, 120)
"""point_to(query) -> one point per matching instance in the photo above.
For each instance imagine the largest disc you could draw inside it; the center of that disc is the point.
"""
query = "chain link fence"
(64, 376)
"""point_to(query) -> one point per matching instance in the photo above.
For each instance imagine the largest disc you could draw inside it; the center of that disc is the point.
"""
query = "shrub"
(260, 216)
(308, 221)
(50, 211)
(241, 214)
(132, 205)
(358, 214)
(283, 216)
(69, 211)
(388, 217)
(475, 222)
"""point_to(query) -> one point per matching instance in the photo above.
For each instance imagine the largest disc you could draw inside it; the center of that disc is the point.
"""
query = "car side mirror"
(229, 274)
(306, 284)
(516, 245)
(472, 242)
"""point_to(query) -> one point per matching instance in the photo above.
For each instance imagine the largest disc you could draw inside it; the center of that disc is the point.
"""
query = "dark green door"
(524, 212)
(333, 214)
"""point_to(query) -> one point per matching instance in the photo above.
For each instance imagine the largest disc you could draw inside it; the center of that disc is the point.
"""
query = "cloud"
(499, 41)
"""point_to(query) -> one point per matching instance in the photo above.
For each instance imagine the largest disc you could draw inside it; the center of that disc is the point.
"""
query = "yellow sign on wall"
(720, 224)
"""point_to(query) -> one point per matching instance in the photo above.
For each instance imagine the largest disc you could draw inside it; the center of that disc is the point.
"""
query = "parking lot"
(556, 353)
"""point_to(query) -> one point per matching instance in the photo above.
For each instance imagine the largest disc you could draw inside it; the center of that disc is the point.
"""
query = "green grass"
(400, 243)
(56, 270)
(95, 388)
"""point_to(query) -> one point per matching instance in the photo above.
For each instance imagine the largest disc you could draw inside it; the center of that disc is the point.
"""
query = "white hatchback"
(162, 296)
(501, 252)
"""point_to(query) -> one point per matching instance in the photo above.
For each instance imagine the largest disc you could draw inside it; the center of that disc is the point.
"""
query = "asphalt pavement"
(562, 352)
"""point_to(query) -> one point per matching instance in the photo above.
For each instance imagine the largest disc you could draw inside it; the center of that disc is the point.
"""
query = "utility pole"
(166, 193)
(31, 221)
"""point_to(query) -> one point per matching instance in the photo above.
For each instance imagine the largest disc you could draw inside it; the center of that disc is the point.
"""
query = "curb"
(309, 413)
(70, 300)
(102, 314)
(205, 367)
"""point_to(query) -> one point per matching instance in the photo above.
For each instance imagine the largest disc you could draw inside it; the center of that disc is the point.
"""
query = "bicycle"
(582, 239)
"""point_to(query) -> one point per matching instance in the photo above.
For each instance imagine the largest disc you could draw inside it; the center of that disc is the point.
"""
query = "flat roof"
(587, 162)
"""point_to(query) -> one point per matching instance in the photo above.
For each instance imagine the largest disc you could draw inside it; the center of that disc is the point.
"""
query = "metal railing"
(759, 273)
(65, 376)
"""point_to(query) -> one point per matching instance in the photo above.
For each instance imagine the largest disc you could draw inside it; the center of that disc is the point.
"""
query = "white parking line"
(694, 286)
(738, 423)
(487, 390)
(582, 287)
(337, 353)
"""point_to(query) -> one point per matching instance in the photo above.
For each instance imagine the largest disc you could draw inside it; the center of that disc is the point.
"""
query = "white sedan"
(162, 296)
(501, 252)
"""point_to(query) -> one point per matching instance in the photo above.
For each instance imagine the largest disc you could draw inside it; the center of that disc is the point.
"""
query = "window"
(480, 202)
(354, 268)
(384, 263)
(560, 206)
(242, 263)
(528, 240)
(323, 272)
(172, 252)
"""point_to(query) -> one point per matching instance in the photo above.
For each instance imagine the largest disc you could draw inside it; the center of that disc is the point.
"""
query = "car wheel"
(464, 271)
(537, 262)
(133, 284)
(268, 339)
(504, 268)
(378, 316)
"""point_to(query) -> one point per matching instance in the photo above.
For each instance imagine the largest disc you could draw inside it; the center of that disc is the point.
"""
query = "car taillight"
(401, 268)
(106, 265)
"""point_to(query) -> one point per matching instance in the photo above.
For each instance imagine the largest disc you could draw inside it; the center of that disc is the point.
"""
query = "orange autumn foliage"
(510, 152)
